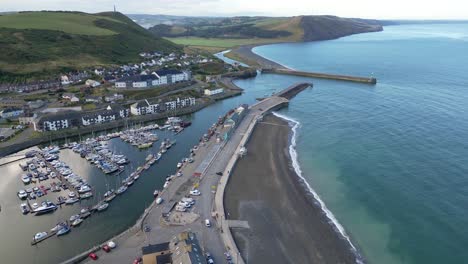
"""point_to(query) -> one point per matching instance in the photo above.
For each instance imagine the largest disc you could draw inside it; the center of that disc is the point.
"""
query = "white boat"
(173, 120)
(70, 201)
(166, 184)
(155, 193)
(64, 230)
(40, 235)
(102, 207)
(71, 194)
(179, 165)
(86, 195)
(74, 217)
(46, 207)
(84, 189)
(77, 222)
(121, 190)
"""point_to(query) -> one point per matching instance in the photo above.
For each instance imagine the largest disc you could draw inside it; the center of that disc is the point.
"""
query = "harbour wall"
(366, 80)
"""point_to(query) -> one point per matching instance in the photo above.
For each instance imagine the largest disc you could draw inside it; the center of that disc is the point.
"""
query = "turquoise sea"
(391, 160)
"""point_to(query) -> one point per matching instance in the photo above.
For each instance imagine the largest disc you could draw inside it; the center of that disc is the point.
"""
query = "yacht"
(40, 236)
(70, 201)
(77, 222)
(110, 197)
(102, 207)
(179, 165)
(46, 207)
(84, 189)
(86, 195)
(158, 156)
(121, 190)
(74, 217)
(84, 213)
(63, 230)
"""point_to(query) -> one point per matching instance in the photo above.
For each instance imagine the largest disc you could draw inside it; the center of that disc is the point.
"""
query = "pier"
(337, 77)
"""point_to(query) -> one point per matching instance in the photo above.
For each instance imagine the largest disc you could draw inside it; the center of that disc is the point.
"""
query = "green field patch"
(72, 23)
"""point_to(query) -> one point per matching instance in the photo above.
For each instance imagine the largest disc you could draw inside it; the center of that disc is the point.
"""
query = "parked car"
(93, 256)
(195, 192)
(207, 223)
(106, 248)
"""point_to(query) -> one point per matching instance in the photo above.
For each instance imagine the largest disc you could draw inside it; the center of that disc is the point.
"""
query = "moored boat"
(40, 236)
(65, 229)
(102, 207)
(77, 222)
(46, 207)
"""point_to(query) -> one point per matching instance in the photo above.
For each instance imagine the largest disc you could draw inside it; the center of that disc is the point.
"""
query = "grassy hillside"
(35, 44)
(231, 32)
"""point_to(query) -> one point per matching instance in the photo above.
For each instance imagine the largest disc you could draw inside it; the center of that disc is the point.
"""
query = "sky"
(379, 9)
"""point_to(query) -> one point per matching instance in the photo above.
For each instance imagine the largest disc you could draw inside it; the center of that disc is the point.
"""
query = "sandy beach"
(246, 55)
(286, 225)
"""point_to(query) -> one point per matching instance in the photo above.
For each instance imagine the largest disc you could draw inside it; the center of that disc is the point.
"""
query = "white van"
(207, 223)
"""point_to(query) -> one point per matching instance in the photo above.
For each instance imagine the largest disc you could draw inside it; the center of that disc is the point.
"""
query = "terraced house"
(105, 115)
(156, 78)
(145, 107)
(58, 121)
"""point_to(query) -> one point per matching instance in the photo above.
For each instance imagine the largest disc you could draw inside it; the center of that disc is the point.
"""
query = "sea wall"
(367, 80)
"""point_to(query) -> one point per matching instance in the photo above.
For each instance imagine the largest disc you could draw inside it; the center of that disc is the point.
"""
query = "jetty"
(348, 78)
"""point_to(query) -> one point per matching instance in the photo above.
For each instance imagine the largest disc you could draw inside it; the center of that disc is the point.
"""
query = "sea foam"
(297, 168)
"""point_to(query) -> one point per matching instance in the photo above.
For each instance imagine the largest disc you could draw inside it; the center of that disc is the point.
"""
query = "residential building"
(145, 107)
(11, 112)
(57, 121)
(113, 98)
(111, 113)
(27, 118)
(92, 83)
(214, 91)
(156, 78)
(70, 96)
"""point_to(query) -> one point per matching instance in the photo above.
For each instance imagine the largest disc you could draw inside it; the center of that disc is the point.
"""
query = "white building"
(156, 78)
(211, 92)
(92, 83)
(144, 107)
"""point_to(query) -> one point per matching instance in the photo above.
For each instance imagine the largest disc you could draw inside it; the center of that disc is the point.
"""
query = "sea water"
(390, 160)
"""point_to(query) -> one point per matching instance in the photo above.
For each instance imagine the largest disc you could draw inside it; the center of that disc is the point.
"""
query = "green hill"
(229, 32)
(35, 44)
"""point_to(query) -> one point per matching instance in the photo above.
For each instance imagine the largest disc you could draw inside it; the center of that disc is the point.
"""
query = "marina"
(79, 192)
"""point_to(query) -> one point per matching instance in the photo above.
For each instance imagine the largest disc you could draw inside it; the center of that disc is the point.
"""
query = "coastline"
(266, 188)
(246, 55)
